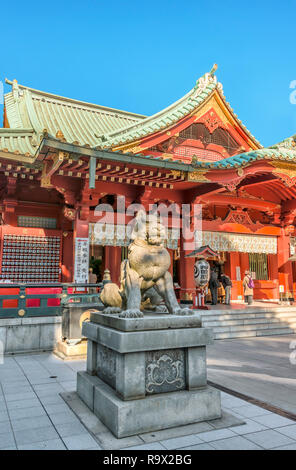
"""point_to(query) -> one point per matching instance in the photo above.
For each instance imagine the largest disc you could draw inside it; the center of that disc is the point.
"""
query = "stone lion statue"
(144, 278)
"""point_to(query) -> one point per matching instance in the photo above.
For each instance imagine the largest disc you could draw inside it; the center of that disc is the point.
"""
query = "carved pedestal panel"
(145, 374)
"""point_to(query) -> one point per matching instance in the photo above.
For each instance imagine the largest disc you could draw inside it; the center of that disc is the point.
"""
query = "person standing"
(248, 285)
(92, 279)
(213, 285)
(227, 284)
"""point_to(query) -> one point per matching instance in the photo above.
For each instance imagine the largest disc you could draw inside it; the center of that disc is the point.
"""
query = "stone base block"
(68, 351)
(155, 412)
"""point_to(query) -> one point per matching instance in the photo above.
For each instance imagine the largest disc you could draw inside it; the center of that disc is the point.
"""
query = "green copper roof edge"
(114, 156)
(182, 105)
(72, 100)
(247, 157)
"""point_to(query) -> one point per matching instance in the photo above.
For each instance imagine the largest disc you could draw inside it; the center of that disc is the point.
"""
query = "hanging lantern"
(201, 273)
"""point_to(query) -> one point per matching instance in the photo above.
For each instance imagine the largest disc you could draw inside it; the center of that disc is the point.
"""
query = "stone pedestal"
(147, 374)
(70, 351)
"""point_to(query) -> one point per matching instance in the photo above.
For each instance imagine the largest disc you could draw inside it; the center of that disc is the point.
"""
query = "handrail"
(17, 305)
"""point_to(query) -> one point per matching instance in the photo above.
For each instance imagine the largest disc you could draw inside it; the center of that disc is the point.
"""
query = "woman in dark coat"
(213, 285)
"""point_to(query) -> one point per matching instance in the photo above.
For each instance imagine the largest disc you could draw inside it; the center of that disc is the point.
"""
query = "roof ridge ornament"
(15, 90)
(206, 79)
(213, 69)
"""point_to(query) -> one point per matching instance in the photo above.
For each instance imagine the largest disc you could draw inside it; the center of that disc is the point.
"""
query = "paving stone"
(19, 396)
(6, 440)
(70, 429)
(176, 432)
(19, 404)
(232, 402)
(53, 444)
(5, 426)
(42, 380)
(151, 446)
(29, 436)
(110, 442)
(48, 387)
(2, 405)
(79, 442)
(51, 400)
(227, 420)
(204, 446)
(30, 423)
(289, 431)
(97, 447)
(270, 439)
(250, 426)
(178, 442)
(45, 393)
(63, 418)
(273, 420)
(215, 435)
(56, 408)
(27, 412)
(250, 411)
(235, 443)
(3, 416)
(287, 447)
(12, 389)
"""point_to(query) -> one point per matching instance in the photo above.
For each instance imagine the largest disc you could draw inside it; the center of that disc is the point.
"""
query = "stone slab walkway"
(33, 415)
(258, 367)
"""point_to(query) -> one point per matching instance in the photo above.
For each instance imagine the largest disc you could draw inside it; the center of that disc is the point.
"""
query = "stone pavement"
(242, 305)
(34, 416)
(257, 367)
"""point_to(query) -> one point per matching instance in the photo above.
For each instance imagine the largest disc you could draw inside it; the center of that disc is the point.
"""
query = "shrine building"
(60, 158)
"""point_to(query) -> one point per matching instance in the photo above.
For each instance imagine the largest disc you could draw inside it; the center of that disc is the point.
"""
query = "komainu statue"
(144, 278)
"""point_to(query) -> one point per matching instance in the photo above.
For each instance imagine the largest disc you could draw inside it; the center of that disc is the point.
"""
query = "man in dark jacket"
(227, 284)
(213, 285)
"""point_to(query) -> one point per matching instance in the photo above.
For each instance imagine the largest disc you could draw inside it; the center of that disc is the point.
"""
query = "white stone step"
(250, 310)
(253, 333)
(241, 323)
(246, 322)
(247, 316)
(276, 331)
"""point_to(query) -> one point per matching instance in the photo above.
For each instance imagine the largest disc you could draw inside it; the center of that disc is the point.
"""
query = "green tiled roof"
(289, 143)
(18, 142)
(75, 120)
(172, 114)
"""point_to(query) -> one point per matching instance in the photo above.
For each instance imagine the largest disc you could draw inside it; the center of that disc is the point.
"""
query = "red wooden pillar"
(186, 275)
(285, 266)
(67, 257)
(273, 276)
(234, 264)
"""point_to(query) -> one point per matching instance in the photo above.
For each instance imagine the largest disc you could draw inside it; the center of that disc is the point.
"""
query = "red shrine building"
(60, 158)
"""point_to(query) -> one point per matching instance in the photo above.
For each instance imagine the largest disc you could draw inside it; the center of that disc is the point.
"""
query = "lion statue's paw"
(183, 311)
(131, 313)
(161, 309)
(111, 310)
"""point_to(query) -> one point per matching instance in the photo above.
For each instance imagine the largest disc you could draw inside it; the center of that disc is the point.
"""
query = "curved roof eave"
(169, 116)
(246, 158)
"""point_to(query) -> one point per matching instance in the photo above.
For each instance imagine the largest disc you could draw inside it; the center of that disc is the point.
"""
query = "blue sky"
(141, 56)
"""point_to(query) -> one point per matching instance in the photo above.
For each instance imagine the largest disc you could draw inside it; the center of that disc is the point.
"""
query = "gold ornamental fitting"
(21, 312)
